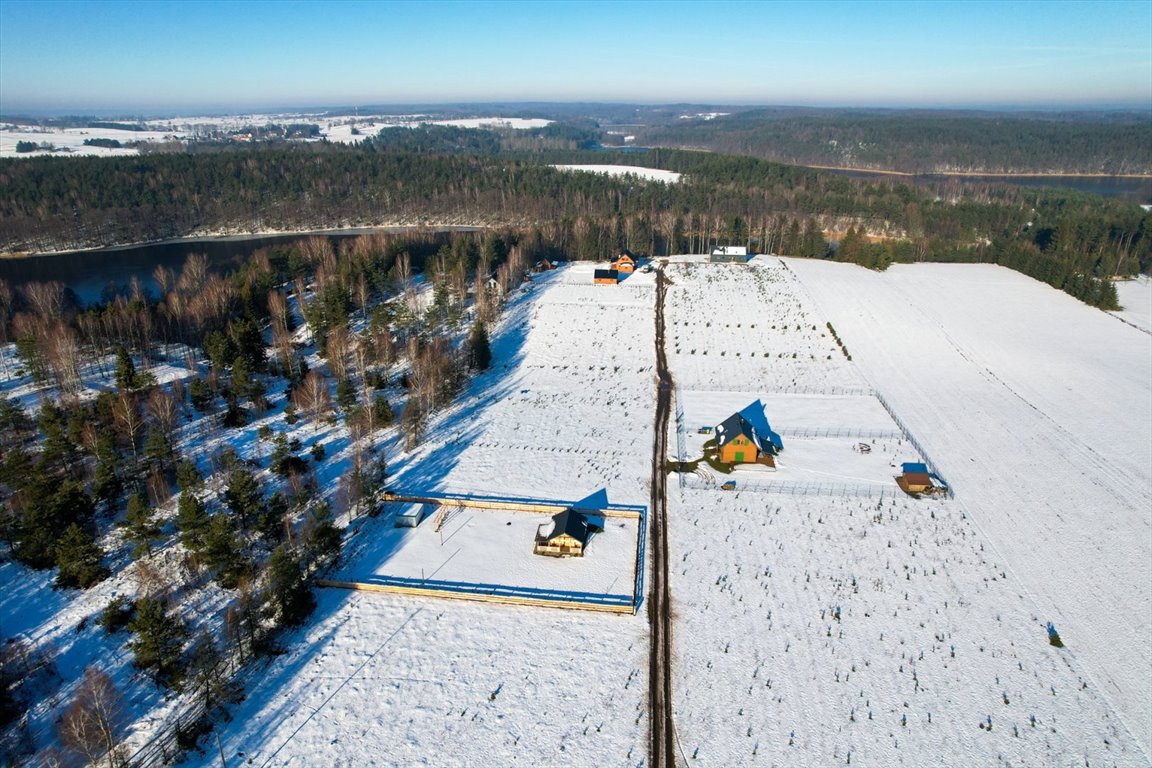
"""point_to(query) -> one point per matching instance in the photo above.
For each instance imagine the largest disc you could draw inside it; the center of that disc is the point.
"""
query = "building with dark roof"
(571, 531)
(740, 441)
(625, 263)
(605, 277)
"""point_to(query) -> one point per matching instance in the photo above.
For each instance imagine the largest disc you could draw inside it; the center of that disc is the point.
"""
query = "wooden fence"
(489, 594)
(513, 505)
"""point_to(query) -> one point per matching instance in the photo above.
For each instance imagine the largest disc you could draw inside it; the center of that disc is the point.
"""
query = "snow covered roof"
(736, 425)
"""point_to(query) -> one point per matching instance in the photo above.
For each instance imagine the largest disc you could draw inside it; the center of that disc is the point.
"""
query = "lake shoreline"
(225, 237)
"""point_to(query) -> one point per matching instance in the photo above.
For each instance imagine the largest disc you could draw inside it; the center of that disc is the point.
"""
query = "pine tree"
(243, 496)
(222, 551)
(322, 541)
(125, 370)
(187, 476)
(159, 642)
(345, 394)
(479, 352)
(289, 597)
(142, 526)
(50, 507)
(79, 557)
(192, 519)
(272, 516)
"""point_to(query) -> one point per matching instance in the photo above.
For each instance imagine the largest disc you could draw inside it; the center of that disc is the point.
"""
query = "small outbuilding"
(569, 537)
(730, 254)
(411, 515)
(915, 478)
(605, 277)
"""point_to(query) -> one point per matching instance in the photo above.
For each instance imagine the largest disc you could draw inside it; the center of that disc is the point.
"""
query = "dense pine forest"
(925, 142)
(447, 176)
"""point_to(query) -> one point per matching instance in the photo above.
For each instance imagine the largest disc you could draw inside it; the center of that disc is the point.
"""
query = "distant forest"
(1071, 240)
(924, 142)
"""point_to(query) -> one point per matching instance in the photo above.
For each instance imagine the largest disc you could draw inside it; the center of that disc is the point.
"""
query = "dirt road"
(660, 601)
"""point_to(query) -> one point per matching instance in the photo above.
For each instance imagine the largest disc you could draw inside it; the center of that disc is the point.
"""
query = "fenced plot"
(842, 443)
(483, 551)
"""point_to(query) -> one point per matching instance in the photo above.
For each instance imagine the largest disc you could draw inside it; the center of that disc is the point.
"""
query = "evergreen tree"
(142, 526)
(219, 348)
(272, 516)
(192, 520)
(159, 642)
(106, 483)
(59, 448)
(157, 449)
(289, 597)
(243, 496)
(187, 476)
(345, 394)
(322, 542)
(50, 507)
(382, 415)
(79, 557)
(125, 370)
(249, 344)
(199, 395)
(479, 352)
(241, 378)
(222, 552)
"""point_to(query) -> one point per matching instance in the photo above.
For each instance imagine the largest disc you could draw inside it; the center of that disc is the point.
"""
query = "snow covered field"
(749, 327)
(334, 128)
(1136, 301)
(1039, 409)
(565, 413)
(71, 140)
(473, 540)
(651, 174)
(814, 630)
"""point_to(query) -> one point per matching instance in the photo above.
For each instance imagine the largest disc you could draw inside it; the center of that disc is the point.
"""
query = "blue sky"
(161, 56)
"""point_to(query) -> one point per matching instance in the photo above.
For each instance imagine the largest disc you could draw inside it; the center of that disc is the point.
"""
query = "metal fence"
(859, 434)
(933, 469)
(797, 487)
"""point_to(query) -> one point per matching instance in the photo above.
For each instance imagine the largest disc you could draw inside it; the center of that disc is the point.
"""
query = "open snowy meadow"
(1039, 410)
(853, 625)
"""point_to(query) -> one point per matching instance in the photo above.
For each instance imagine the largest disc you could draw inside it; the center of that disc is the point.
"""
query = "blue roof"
(753, 413)
(914, 468)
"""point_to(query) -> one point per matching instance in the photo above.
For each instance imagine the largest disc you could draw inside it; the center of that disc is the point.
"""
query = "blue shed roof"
(914, 468)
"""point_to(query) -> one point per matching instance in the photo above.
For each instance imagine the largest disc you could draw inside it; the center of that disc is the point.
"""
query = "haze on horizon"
(173, 57)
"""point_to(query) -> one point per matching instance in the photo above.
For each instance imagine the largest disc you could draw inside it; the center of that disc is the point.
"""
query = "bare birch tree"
(91, 724)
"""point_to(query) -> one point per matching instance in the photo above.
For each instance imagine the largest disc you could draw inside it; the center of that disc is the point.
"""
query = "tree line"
(923, 142)
(54, 203)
